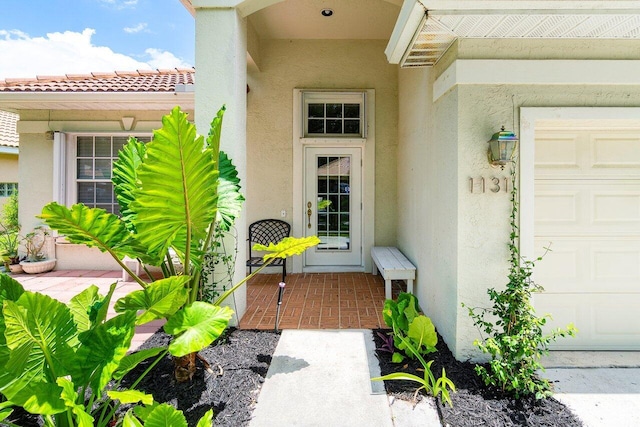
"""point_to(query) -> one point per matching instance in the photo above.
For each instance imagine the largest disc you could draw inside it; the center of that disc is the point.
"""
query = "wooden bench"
(393, 265)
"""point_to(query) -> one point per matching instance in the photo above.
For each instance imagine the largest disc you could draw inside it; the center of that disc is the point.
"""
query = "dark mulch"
(240, 360)
(474, 404)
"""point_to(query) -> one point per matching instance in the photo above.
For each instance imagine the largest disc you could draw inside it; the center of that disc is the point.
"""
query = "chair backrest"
(268, 231)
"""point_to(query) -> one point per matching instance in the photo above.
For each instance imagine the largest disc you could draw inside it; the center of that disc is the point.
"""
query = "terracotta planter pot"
(38, 266)
(15, 268)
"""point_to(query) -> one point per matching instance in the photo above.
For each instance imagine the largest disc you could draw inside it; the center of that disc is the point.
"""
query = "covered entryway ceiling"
(302, 19)
(426, 28)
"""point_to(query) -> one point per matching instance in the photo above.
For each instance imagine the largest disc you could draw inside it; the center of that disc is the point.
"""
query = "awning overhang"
(426, 28)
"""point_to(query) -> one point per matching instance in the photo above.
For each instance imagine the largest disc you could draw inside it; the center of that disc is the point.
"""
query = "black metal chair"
(264, 232)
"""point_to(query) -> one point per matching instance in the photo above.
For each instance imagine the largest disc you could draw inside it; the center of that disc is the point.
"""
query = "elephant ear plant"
(53, 355)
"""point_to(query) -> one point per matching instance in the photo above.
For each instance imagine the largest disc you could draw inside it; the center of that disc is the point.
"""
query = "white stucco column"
(221, 78)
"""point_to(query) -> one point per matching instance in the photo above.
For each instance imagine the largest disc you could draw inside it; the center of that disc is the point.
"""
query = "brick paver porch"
(316, 301)
(310, 301)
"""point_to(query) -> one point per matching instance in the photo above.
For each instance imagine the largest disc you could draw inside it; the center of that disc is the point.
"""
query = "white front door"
(333, 205)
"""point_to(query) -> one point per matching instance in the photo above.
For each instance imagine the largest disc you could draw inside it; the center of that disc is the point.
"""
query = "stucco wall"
(483, 218)
(36, 171)
(458, 238)
(427, 188)
(316, 64)
(8, 172)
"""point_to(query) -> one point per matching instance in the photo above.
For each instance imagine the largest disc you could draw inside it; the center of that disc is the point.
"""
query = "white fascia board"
(502, 7)
(409, 21)
(245, 7)
(537, 72)
(8, 150)
(112, 126)
(41, 100)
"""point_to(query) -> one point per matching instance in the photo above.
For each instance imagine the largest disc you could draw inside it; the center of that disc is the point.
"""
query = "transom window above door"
(333, 115)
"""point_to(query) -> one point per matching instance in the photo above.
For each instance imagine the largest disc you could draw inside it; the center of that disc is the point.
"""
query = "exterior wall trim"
(532, 72)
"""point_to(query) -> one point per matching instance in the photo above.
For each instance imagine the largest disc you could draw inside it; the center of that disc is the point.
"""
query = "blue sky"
(56, 37)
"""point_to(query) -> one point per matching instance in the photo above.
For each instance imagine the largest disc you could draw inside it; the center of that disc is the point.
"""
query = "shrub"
(515, 339)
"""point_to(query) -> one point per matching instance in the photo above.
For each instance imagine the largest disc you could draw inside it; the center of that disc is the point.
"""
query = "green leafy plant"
(409, 325)
(173, 193)
(515, 339)
(9, 217)
(428, 382)
(34, 242)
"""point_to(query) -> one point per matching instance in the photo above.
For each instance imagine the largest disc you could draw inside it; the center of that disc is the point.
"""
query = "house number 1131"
(492, 184)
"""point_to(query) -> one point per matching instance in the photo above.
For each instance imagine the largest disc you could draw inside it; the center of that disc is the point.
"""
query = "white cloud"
(138, 28)
(120, 4)
(164, 59)
(71, 52)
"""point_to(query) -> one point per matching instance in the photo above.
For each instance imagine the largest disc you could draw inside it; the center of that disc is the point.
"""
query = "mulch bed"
(240, 360)
(474, 404)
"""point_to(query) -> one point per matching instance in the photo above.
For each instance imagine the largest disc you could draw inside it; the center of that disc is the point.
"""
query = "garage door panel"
(603, 322)
(554, 151)
(618, 151)
(614, 207)
(579, 265)
(587, 206)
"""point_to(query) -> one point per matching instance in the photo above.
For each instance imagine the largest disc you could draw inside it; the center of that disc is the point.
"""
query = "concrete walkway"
(322, 378)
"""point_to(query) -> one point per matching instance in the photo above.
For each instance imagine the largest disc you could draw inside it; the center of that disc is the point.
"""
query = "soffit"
(442, 24)
(351, 20)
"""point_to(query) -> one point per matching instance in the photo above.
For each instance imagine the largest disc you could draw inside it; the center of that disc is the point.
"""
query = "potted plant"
(36, 261)
(9, 242)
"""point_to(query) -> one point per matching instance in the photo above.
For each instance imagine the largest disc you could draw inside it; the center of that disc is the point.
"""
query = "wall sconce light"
(502, 145)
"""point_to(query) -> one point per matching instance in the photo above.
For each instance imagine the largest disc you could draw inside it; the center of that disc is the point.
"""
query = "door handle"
(309, 214)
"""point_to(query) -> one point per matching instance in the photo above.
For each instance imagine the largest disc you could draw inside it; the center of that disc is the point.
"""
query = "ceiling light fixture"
(327, 12)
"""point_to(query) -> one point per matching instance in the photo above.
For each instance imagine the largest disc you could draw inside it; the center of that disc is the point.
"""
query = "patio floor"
(317, 301)
(310, 300)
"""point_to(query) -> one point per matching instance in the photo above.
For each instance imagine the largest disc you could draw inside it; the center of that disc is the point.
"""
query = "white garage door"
(587, 204)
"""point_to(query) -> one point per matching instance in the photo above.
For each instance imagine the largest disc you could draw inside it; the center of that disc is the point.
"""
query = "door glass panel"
(333, 178)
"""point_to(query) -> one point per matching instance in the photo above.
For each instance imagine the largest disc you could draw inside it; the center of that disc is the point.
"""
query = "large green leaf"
(160, 299)
(39, 397)
(215, 130)
(287, 247)
(166, 416)
(196, 326)
(38, 329)
(422, 331)
(130, 420)
(229, 197)
(80, 305)
(125, 177)
(102, 350)
(131, 396)
(94, 227)
(70, 396)
(132, 360)
(89, 308)
(175, 203)
(206, 420)
(10, 289)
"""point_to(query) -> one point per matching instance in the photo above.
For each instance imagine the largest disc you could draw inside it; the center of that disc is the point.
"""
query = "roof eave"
(14, 101)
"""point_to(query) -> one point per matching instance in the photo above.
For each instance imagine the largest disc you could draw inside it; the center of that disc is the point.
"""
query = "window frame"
(7, 189)
(71, 158)
(327, 97)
